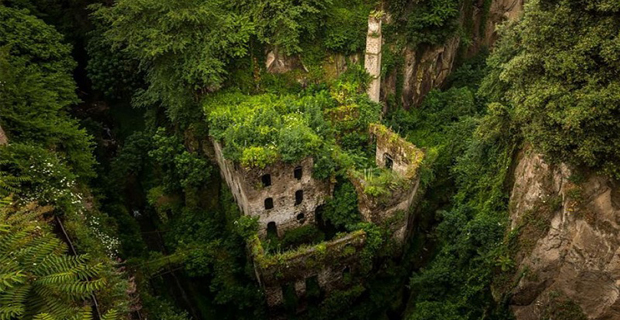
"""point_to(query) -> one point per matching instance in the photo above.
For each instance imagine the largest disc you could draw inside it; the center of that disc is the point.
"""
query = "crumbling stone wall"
(372, 62)
(3, 139)
(251, 194)
(404, 159)
(327, 262)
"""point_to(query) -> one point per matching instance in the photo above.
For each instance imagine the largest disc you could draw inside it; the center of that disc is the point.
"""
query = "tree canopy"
(559, 69)
(38, 88)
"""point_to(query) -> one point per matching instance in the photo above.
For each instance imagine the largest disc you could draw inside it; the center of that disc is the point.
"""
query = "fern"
(84, 314)
(37, 278)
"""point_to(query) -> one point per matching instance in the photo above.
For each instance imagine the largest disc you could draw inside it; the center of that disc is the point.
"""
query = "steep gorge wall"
(568, 248)
(427, 68)
(423, 68)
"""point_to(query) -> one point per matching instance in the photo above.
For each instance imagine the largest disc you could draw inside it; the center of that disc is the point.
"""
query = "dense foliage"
(49, 160)
(470, 149)
(430, 22)
(38, 88)
(258, 130)
(562, 80)
(37, 276)
(158, 234)
(186, 49)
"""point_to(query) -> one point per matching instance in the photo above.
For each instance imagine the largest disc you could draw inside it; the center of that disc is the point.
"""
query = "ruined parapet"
(283, 196)
(395, 153)
(385, 195)
(372, 61)
(326, 264)
(3, 139)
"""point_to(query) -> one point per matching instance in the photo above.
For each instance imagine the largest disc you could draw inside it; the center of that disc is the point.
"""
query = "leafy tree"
(111, 71)
(346, 25)
(37, 88)
(183, 46)
(560, 68)
(426, 22)
(36, 274)
(180, 167)
(342, 210)
(283, 23)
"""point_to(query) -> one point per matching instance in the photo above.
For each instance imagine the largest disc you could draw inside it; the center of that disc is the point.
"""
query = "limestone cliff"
(427, 68)
(567, 248)
(423, 68)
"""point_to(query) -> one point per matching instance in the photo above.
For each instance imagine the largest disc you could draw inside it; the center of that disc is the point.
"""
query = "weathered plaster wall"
(250, 194)
(3, 139)
(570, 249)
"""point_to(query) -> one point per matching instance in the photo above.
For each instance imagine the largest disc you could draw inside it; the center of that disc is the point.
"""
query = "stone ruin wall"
(395, 151)
(327, 266)
(250, 194)
(404, 158)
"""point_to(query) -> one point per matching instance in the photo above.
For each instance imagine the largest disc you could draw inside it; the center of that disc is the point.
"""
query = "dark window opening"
(298, 173)
(389, 163)
(301, 217)
(272, 230)
(268, 203)
(289, 294)
(346, 275)
(299, 197)
(266, 179)
(313, 289)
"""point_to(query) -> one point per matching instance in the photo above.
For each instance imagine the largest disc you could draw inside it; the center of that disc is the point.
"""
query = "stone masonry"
(403, 158)
(327, 263)
(283, 196)
(372, 61)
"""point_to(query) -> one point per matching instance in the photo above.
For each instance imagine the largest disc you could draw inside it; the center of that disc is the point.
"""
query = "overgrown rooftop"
(259, 130)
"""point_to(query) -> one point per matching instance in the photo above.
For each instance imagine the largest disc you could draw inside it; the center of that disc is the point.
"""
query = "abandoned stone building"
(284, 196)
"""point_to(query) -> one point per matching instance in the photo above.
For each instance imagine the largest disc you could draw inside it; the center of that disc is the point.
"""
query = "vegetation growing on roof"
(259, 130)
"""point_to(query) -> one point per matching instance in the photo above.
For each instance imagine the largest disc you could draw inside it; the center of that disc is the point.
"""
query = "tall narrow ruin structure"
(372, 61)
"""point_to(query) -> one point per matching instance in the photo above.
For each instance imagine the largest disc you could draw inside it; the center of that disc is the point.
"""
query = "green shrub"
(308, 234)
(342, 209)
(558, 69)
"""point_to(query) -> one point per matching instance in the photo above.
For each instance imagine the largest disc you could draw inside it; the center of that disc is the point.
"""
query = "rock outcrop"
(3, 139)
(424, 68)
(428, 67)
(568, 248)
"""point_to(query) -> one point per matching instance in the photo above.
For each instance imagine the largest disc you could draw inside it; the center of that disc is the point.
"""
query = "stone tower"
(373, 56)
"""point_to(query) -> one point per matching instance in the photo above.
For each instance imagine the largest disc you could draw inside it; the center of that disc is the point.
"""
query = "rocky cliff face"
(567, 246)
(423, 68)
(3, 139)
(427, 68)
